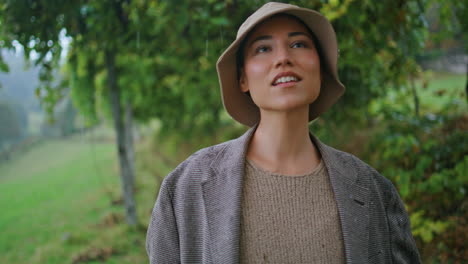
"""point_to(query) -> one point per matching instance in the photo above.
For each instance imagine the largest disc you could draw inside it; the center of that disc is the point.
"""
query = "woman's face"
(281, 66)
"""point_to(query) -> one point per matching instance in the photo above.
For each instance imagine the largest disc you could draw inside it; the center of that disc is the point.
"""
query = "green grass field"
(442, 90)
(56, 206)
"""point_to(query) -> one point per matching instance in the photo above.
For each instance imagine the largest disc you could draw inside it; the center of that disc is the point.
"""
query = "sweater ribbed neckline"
(264, 172)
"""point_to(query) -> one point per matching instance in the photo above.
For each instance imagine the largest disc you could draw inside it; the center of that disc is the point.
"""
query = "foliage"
(21, 22)
(427, 159)
(450, 19)
(377, 41)
(177, 77)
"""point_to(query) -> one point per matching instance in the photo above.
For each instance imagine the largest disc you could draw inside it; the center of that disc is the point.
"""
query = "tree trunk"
(129, 139)
(466, 85)
(126, 166)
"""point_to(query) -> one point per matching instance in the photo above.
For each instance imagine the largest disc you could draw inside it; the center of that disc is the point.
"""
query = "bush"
(427, 159)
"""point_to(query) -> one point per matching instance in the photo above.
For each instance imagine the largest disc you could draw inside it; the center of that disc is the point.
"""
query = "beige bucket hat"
(239, 105)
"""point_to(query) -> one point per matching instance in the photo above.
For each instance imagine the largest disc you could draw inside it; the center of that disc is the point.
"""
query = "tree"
(37, 25)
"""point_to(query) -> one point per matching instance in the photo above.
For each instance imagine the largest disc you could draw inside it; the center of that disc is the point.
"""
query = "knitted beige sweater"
(289, 219)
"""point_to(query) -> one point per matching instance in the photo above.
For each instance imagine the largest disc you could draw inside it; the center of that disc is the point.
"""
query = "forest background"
(101, 99)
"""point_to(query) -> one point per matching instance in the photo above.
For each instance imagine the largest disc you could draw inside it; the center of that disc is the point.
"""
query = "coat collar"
(222, 191)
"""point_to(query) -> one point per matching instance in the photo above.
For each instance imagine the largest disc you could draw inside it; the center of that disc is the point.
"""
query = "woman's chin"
(293, 104)
(286, 107)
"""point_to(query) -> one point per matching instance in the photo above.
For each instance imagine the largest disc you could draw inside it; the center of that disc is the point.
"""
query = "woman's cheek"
(254, 73)
(312, 62)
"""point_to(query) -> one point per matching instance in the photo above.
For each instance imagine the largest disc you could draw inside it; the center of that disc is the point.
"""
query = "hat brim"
(241, 107)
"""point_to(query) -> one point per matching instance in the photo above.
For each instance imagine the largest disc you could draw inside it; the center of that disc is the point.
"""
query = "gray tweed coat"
(196, 218)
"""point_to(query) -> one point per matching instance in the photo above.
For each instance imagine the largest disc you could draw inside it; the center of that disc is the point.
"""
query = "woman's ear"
(242, 81)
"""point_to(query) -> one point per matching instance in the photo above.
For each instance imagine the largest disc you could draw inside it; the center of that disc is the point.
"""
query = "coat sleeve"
(162, 239)
(403, 246)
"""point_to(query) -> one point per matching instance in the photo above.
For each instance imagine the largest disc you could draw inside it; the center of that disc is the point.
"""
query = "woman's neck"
(281, 144)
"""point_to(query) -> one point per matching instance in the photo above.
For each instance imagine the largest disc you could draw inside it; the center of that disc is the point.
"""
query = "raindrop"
(138, 39)
(221, 33)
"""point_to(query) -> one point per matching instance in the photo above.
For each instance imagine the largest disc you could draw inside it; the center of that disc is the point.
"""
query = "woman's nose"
(283, 57)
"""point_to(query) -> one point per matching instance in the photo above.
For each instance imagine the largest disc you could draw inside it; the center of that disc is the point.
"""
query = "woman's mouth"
(285, 77)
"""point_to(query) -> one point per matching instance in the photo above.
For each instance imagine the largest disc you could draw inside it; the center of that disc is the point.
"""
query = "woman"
(277, 194)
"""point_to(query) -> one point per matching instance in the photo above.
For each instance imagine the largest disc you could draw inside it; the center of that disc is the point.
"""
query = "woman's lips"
(286, 84)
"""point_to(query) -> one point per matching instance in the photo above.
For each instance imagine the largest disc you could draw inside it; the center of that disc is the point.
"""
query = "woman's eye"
(298, 45)
(261, 49)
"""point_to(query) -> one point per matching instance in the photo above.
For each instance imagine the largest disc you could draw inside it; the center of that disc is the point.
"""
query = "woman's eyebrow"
(263, 37)
(290, 34)
(299, 33)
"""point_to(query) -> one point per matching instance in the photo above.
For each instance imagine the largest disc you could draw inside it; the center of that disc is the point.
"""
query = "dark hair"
(240, 50)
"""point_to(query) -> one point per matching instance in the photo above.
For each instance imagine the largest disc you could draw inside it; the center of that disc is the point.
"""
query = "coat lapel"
(222, 191)
(352, 201)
